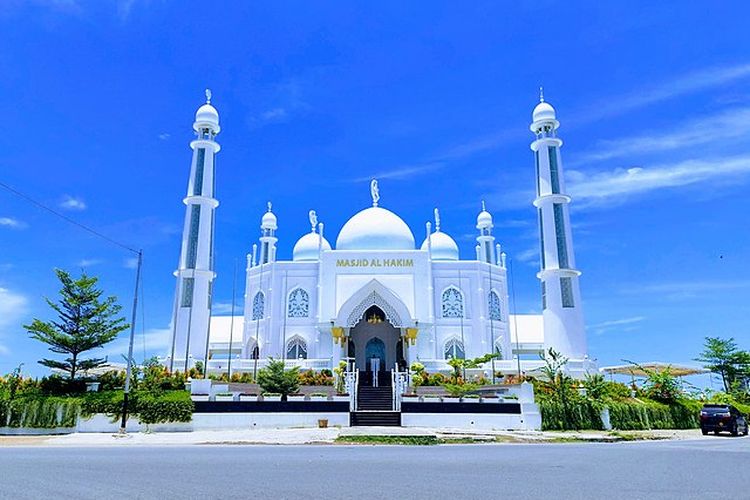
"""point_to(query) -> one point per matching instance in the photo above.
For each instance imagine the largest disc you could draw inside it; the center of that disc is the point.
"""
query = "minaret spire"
(561, 298)
(195, 272)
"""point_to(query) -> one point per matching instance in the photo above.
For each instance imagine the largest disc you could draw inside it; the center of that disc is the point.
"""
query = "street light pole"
(128, 371)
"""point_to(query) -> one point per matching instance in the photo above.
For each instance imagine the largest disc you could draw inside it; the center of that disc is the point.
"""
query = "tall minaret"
(195, 273)
(268, 227)
(485, 240)
(561, 298)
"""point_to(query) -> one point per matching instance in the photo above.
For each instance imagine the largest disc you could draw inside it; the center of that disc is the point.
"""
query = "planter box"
(451, 399)
(428, 399)
(224, 398)
(409, 399)
(199, 397)
(248, 397)
(340, 397)
(271, 398)
(490, 399)
(470, 400)
(295, 397)
(318, 398)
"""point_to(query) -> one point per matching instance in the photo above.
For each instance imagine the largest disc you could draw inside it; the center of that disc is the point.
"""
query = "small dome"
(484, 220)
(443, 246)
(268, 221)
(543, 112)
(306, 248)
(375, 228)
(207, 114)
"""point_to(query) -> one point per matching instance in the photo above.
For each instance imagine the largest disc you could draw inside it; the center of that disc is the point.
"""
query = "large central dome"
(375, 228)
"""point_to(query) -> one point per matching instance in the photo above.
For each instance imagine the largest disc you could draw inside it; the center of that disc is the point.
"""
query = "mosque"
(377, 293)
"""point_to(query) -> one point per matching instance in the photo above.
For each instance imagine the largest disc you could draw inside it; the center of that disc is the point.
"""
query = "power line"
(65, 217)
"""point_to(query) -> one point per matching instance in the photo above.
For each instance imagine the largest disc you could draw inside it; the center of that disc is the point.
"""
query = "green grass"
(401, 440)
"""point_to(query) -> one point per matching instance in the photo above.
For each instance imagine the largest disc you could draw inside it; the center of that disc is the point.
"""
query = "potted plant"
(470, 398)
(318, 396)
(224, 396)
(271, 396)
(248, 397)
(296, 397)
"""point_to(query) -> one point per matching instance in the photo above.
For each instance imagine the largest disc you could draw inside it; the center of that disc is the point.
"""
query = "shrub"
(112, 380)
(583, 414)
(645, 414)
(458, 390)
(174, 406)
(55, 385)
(40, 413)
(275, 378)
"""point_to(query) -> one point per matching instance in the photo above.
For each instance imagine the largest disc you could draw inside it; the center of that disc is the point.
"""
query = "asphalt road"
(714, 468)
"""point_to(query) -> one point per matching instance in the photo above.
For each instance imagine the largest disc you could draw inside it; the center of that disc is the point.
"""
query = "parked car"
(718, 418)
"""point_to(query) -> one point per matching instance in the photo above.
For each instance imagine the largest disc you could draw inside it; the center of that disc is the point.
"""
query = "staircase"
(375, 404)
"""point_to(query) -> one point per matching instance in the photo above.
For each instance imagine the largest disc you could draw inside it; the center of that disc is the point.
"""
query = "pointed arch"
(296, 348)
(374, 293)
(298, 303)
(454, 348)
(253, 350)
(494, 306)
(452, 302)
(259, 305)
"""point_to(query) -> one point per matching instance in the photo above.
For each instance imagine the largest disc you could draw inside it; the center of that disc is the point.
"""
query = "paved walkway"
(328, 436)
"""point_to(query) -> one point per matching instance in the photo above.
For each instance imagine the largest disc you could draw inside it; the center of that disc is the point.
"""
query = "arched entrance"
(375, 337)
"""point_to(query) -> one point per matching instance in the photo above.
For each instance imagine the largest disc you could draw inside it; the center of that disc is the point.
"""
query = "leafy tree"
(276, 379)
(722, 356)
(86, 321)
(460, 365)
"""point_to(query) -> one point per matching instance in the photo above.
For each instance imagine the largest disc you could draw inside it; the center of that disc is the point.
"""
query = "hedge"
(644, 415)
(580, 415)
(51, 412)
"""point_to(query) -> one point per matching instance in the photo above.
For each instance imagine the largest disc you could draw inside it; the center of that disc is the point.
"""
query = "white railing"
(351, 381)
(399, 383)
(249, 365)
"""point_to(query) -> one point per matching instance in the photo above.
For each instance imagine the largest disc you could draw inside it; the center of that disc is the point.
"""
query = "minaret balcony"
(201, 200)
(551, 198)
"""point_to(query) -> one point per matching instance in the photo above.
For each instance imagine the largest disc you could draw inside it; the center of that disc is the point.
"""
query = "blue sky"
(98, 97)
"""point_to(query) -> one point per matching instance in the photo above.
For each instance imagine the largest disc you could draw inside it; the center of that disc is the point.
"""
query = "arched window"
(259, 304)
(254, 351)
(298, 304)
(499, 349)
(454, 348)
(453, 303)
(493, 303)
(296, 348)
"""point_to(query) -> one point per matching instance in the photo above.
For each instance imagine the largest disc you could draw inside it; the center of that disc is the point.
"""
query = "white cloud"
(680, 290)
(274, 115)
(164, 136)
(13, 308)
(72, 203)
(403, 172)
(683, 85)
(130, 263)
(157, 342)
(88, 262)
(617, 184)
(624, 324)
(726, 126)
(12, 223)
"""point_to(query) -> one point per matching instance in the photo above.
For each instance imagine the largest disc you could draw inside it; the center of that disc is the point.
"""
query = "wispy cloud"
(88, 262)
(164, 136)
(683, 85)
(617, 184)
(73, 203)
(726, 126)
(155, 341)
(678, 290)
(12, 223)
(274, 115)
(624, 324)
(13, 308)
(404, 172)
(130, 263)
(226, 308)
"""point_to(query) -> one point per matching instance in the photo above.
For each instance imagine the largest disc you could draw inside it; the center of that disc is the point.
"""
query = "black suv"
(719, 418)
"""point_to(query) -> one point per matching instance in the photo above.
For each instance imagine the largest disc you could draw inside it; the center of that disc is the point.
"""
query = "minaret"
(485, 240)
(561, 298)
(195, 273)
(268, 238)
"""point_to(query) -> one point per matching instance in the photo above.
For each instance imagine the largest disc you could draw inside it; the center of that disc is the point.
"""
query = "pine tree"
(85, 322)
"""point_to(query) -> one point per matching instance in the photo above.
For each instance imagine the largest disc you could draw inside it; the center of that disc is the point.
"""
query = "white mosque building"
(378, 292)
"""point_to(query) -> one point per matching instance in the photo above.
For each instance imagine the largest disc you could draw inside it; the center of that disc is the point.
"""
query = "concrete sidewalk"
(329, 436)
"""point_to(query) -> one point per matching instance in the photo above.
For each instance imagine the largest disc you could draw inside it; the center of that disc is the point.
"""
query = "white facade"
(378, 293)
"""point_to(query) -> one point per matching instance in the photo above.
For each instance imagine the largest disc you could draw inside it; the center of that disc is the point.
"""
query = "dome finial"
(313, 219)
(374, 192)
(269, 206)
(484, 207)
(208, 96)
(541, 94)
(437, 220)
